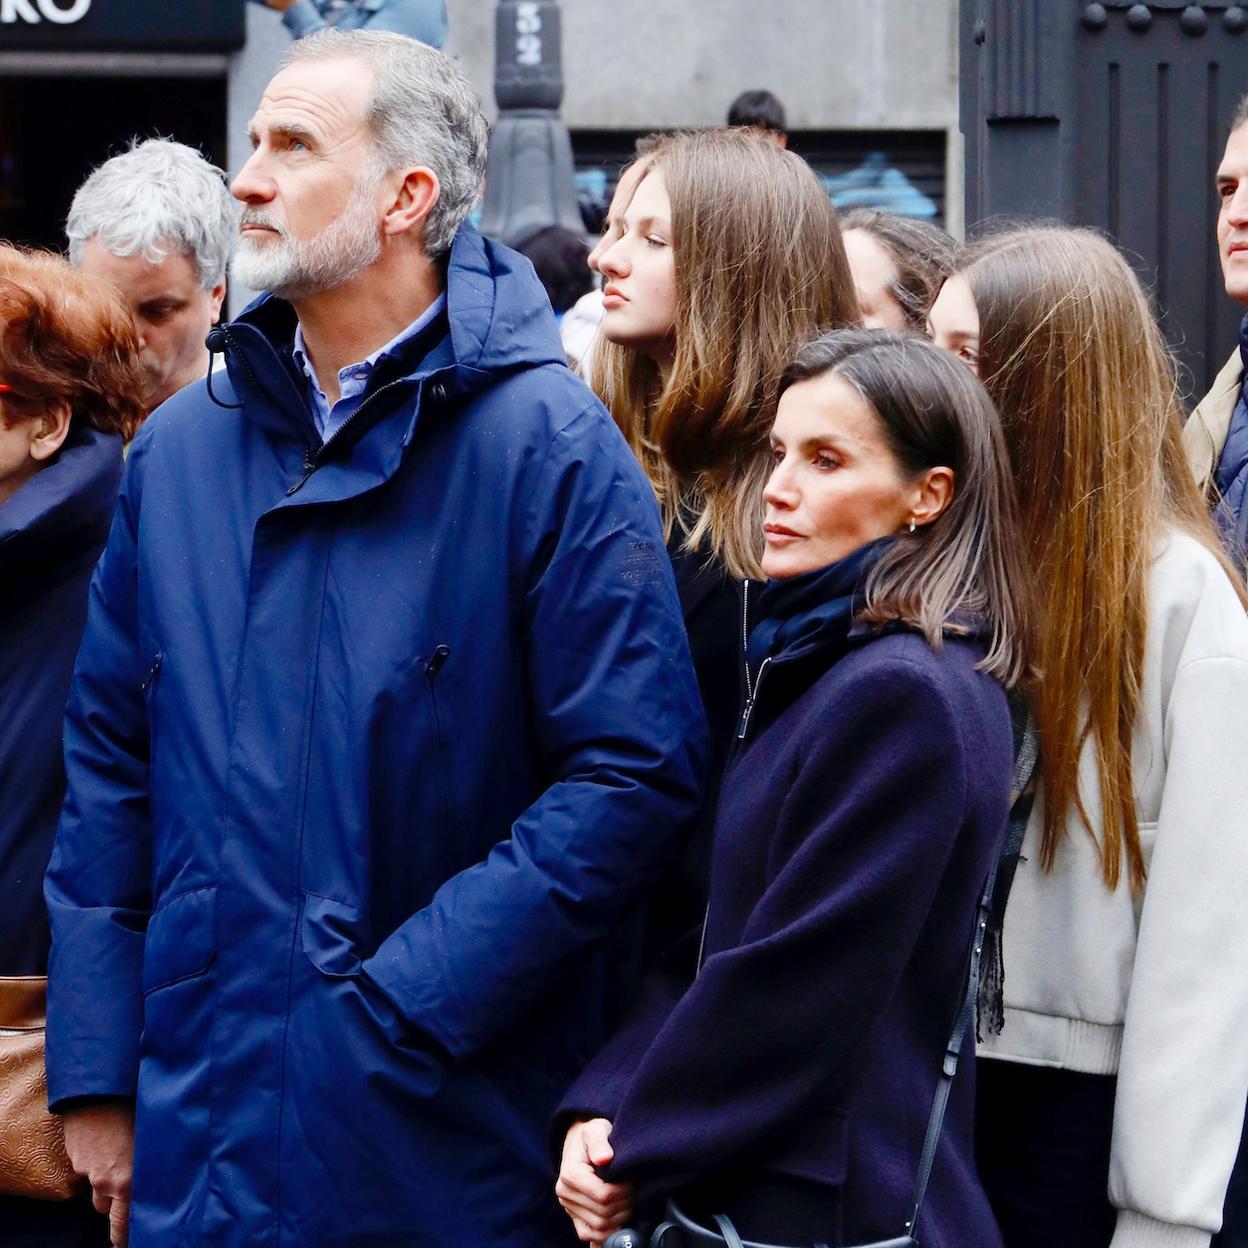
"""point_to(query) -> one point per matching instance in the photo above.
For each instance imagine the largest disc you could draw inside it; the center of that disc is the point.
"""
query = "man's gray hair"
(158, 195)
(1240, 116)
(422, 111)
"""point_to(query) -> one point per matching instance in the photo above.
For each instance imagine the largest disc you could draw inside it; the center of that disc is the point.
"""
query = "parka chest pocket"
(181, 940)
(380, 809)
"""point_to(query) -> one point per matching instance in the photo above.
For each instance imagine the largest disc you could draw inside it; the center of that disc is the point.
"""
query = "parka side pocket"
(181, 940)
(329, 934)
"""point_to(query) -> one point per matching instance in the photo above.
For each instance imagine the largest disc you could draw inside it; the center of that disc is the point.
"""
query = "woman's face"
(639, 296)
(953, 322)
(874, 272)
(614, 226)
(835, 484)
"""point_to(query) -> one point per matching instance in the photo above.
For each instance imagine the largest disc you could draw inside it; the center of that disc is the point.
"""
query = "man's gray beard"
(292, 267)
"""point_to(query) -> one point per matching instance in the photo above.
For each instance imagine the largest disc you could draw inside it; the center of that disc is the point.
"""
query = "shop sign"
(118, 25)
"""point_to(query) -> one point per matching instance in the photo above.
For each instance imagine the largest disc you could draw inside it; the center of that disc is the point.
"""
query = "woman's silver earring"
(911, 524)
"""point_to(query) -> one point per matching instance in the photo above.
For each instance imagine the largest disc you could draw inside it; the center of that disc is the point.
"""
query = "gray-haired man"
(159, 223)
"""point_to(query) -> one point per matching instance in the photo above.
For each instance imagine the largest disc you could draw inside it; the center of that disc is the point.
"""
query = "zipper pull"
(151, 675)
(745, 719)
(434, 666)
(309, 467)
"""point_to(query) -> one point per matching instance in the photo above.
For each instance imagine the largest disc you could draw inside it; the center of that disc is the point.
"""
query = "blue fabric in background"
(1231, 477)
(51, 534)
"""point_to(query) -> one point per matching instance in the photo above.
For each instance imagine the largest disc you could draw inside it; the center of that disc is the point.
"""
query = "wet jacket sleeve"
(618, 723)
(98, 883)
(767, 1034)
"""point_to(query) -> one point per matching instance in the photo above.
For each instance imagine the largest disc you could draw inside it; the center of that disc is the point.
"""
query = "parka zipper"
(312, 460)
(745, 636)
(436, 662)
(153, 672)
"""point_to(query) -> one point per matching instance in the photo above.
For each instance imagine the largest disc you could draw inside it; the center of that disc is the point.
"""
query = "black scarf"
(800, 613)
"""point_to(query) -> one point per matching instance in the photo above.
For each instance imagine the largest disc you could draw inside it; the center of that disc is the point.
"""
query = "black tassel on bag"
(990, 1001)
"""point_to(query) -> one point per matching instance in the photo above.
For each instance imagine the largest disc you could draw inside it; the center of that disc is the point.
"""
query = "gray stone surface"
(653, 64)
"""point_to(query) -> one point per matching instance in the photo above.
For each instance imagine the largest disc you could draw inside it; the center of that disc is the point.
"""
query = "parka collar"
(65, 507)
(498, 317)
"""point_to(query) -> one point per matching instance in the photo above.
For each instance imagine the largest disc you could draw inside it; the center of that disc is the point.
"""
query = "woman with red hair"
(69, 396)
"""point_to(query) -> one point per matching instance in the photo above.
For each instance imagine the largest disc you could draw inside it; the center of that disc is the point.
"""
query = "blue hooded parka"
(372, 744)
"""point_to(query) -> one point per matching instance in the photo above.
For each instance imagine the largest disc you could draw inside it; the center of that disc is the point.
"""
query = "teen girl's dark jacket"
(51, 534)
(710, 604)
(789, 1086)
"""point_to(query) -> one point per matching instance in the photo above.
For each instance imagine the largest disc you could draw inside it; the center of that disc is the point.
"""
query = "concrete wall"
(836, 64)
(645, 64)
(652, 64)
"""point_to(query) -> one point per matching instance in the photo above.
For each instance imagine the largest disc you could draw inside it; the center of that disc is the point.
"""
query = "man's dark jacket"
(371, 745)
(51, 534)
(789, 1086)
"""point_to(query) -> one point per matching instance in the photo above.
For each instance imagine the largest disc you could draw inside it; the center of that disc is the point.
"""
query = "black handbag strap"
(1025, 755)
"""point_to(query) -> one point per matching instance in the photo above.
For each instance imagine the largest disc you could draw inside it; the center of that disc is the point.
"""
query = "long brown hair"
(759, 268)
(965, 566)
(1072, 356)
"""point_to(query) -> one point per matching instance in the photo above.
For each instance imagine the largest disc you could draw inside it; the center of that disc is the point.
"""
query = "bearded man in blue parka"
(383, 720)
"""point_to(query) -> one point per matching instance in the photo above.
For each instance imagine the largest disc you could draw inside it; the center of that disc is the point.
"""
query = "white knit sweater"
(1154, 987)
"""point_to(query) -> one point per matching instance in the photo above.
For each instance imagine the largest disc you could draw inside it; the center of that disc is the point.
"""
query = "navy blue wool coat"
(371, 745)
(51, 534)
(789, 1086)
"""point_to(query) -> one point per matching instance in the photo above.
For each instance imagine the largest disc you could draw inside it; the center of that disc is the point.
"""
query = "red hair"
(66, 338)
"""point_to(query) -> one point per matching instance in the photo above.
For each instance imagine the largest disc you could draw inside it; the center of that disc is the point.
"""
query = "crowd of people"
(774, 783)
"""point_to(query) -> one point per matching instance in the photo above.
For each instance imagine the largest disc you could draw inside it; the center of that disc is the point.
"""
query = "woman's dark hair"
(66, 338)
(923, 256)
(559, 257)
(965, 565)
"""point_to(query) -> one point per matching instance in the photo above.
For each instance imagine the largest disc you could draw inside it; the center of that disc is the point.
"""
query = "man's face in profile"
(172, 312)
(1232, 184)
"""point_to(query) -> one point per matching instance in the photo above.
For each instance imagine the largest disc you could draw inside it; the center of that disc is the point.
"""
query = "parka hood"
(66, 506)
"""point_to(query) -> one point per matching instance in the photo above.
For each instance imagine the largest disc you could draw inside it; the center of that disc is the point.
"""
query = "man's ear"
(48, 432)
(413, 201)
(216, 296)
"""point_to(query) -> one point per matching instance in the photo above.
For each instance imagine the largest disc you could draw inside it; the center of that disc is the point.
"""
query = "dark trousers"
(51, 1224)
(1042, 1142)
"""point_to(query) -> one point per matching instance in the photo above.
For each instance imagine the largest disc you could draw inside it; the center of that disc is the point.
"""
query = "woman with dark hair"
(898, 265)
(70, 393)
(1116, 1071)
(788, 1086)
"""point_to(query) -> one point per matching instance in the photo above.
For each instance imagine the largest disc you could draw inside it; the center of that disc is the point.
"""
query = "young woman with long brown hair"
(727, 254)
(1111, 1100)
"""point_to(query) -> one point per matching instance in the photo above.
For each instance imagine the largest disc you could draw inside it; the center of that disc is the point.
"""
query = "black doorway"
(55, 130)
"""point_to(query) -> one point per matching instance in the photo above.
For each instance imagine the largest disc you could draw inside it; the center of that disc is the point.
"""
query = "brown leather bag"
(33, 1162)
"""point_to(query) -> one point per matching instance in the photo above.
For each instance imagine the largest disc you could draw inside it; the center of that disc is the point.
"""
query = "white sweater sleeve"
(1183, 1075)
